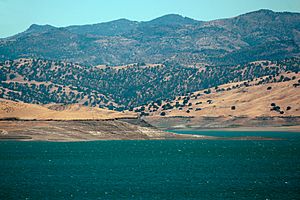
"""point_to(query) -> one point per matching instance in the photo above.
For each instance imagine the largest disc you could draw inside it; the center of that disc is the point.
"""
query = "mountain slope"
(44, 81)
(263, 97)
(113, 28)
(258, 104)
(263, 34)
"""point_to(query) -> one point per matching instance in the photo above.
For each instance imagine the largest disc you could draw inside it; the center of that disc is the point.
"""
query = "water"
(153, 169)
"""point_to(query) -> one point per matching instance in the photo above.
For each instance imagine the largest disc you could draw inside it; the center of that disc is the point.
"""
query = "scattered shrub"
(209, 101)
(12, 76)
(144, 114)
(207, 91)
(162, 114)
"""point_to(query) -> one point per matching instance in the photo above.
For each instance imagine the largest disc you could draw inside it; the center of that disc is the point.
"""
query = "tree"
(162, 114)
(233, 107)
(273, 104)
(144, 114)
(209, 101)
(207, 91)
(12, 76)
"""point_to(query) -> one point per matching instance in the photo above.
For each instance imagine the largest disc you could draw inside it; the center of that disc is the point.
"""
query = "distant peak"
(121, 20)
(172, 16)
(172, 19)
(260, 12)
(37, 27)
(264, 11)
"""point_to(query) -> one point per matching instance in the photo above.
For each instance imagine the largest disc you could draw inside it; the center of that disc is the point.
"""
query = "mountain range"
(259, 35)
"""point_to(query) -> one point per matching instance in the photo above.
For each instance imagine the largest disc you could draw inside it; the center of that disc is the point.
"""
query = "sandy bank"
(72, 131)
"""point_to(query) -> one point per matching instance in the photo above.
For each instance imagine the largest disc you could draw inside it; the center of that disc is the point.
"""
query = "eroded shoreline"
(94, 130)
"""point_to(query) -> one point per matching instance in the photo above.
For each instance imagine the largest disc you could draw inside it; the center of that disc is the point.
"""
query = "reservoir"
(162, 169)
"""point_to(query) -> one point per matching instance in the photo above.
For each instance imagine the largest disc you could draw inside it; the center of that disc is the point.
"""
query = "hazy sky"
(18, 15)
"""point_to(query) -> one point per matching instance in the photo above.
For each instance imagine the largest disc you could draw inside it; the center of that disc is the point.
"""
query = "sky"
(17, 15)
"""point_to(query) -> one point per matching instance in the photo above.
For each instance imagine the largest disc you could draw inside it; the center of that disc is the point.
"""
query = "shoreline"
(115, 130)
(188, 137)
(71, 131)
(295, 129)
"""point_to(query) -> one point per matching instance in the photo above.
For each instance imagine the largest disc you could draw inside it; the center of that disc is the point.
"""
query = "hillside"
(258, 104)
(258, 35)
(19, 110)
(22, 121)
(121, 88)
(258, 98)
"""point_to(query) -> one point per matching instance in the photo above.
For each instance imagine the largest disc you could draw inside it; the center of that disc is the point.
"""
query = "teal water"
(153, 169)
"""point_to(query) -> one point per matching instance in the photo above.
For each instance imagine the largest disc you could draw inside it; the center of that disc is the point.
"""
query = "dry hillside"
(11, 109)
(254, 98)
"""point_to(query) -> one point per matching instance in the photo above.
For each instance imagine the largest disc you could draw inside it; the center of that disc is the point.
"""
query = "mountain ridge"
(257, 35)
(169, 15)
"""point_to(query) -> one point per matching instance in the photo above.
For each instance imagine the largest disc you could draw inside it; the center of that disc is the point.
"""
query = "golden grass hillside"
(11, 109)
(253, 100)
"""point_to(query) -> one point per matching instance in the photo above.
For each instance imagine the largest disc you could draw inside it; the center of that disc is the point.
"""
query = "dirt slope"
(11, 109)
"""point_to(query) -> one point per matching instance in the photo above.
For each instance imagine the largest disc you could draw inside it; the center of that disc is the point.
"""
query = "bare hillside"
(11, 109)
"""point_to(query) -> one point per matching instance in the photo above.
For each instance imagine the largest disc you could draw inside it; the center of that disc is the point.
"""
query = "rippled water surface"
(153, 169)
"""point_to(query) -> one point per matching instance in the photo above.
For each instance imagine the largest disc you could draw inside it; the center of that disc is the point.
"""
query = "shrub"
(209, 101)
(12, 76)
(162, 114)
(233, 107)
(144, 114)
(207, 91)
(167, 106)
(276, 108)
